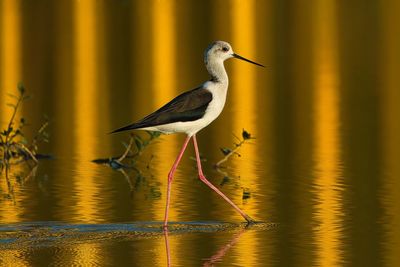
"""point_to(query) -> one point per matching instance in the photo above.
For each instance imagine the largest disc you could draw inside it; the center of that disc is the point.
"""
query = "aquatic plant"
(14, 146)
(131, 151)
(127, 161)
(229, 152)
(138, 143)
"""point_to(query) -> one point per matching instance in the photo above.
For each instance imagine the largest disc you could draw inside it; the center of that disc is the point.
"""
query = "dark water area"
(321, 175)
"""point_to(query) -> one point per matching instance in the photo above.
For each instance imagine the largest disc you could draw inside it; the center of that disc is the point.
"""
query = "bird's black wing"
(189, 106)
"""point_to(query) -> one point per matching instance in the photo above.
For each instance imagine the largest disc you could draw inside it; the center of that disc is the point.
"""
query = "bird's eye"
(225, 49)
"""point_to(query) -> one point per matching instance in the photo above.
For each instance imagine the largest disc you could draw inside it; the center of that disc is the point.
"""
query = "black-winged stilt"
(192, 111)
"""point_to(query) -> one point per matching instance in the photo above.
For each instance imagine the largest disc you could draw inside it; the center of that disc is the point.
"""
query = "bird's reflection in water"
(167, 247)
(221, 252)
(217, 256)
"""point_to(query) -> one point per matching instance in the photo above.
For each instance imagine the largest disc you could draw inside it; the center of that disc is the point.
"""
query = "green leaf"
(225, 180)
(155, 193)
(114, 164)
(155, 134)
(246, 194)
(225, 150)
(13, 96)
(137, 137)
(138, 144)
(21, 88)
(246, 135)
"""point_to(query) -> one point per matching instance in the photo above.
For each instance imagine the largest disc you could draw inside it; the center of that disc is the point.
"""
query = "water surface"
(324, 113)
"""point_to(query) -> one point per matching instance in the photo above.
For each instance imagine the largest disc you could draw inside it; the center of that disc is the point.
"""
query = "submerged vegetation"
(14, 146)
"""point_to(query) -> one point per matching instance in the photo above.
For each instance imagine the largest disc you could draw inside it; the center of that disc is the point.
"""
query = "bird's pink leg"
(204, 180)
(171, 176)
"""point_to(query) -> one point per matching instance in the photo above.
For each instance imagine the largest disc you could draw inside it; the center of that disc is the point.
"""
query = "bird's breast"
(217, 103)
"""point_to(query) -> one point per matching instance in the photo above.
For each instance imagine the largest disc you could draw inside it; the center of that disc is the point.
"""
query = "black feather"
(189, 106)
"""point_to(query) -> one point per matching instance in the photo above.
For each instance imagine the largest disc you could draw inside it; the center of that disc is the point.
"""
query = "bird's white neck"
(217, 71)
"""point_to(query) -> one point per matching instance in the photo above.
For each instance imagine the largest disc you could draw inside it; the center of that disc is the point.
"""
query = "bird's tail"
(126, 128)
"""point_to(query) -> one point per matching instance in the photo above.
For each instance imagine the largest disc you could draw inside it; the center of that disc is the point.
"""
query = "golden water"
(324, 113)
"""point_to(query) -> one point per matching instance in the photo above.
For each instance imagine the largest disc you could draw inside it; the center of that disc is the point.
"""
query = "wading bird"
(192, 111)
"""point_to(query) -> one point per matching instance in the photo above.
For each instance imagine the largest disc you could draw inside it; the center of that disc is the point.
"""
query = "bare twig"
(19, 100)
(228, 155)
(128, 149)
(39, 134)
(129, 153)
(229, 152)
(27, 151)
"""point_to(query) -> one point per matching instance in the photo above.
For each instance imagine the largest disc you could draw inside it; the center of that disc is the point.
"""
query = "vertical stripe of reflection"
(243, 91)
(85, 106)
(390, 130)
(163, 89)
(10, 76)
(326, 155)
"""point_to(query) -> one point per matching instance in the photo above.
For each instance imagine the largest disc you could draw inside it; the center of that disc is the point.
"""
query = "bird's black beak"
(245, 59)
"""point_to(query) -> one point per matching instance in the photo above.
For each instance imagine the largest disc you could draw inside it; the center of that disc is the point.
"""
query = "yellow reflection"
(10, 66)
(13, 258)
(163, 89)
(243, 91)
(391, 130)
(164, 52)
(86, 108)
(11, 209)
(80, 254)
(10, 75)
(327, 144)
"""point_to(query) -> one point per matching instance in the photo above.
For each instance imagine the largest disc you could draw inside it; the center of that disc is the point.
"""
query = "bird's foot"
(250, 221)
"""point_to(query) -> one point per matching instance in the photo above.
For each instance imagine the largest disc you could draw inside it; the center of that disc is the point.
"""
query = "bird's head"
(220, 50)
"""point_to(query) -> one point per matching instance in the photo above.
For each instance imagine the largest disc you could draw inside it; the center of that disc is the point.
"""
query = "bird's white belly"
(213, 110)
